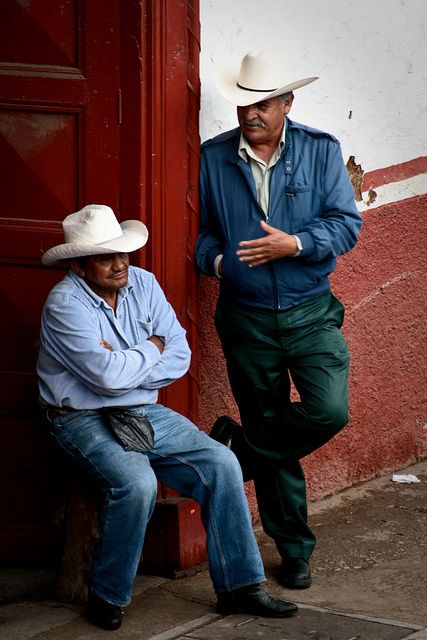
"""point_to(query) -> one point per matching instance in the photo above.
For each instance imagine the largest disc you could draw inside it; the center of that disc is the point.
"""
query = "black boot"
(253, 600)
(224, 429)
(229, 432)
(294, 573)
(103, 614)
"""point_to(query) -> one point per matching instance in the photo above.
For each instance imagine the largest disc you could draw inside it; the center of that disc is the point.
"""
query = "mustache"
(255, 122)
(115, 273)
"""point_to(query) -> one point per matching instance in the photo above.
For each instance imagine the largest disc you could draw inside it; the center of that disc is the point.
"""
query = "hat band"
(256, 90)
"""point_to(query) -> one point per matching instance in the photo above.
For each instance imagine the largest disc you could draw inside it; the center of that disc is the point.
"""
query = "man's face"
(262, 122)
(104, 273)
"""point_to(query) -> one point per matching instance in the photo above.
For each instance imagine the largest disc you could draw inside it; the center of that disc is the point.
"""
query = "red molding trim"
(394, 173)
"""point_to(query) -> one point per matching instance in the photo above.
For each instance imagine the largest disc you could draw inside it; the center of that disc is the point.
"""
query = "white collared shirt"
(261, 170)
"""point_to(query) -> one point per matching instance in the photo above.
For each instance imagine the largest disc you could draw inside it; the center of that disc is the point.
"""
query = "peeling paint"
(372, 196)
(415, 186)
(355, 172)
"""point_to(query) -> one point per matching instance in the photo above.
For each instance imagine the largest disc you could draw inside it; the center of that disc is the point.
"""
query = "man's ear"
(77, 268)
(288, 103)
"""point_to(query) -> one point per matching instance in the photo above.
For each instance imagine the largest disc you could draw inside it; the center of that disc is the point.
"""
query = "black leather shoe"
(223, 430)
(229, 432)
(254, 601)
(103, 614)
(294, 573)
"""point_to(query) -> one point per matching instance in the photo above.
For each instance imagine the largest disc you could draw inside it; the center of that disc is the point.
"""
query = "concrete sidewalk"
(369, 583)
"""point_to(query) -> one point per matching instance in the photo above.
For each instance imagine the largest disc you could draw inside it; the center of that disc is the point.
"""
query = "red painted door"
(97, 102)
(59, 149)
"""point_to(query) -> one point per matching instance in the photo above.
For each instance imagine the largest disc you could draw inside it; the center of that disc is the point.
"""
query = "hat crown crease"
(258, 74)
(91, 227)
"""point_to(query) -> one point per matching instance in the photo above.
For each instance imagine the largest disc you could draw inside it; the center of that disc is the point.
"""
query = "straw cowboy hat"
(94, 230)
(261, 75)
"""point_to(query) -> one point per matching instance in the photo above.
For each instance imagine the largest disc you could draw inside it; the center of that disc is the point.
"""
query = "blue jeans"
(184, 458)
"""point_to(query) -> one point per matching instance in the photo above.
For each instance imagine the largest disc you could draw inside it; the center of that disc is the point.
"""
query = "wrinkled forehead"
(261, 104)
(100, 257)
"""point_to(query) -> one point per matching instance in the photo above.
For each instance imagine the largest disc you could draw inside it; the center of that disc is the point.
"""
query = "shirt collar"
(96, 300)
(246, 151)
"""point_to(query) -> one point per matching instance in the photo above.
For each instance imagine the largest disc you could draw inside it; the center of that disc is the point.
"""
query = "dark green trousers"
(264, 351)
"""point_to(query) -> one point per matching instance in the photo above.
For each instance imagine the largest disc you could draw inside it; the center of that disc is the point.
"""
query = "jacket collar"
(235, 134)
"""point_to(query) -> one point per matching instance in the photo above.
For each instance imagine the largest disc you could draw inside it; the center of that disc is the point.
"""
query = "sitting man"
(109, 341)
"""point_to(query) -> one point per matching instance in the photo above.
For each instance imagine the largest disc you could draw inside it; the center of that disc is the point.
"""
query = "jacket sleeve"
(336, 229)
(209, 243)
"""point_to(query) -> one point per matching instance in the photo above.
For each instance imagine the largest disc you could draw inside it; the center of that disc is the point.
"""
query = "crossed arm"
(154, 339)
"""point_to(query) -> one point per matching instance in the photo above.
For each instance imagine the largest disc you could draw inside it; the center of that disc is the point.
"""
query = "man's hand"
(106, 345)
(276, 244)
(158, 342)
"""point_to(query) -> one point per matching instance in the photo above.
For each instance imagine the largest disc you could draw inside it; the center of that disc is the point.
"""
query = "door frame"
(160, 101)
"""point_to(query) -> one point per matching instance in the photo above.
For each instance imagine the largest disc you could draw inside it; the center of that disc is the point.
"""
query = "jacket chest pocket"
(295, 191)
(297, 202)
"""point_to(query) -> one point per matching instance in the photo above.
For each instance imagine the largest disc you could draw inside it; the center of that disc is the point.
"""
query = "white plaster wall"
(370, 55)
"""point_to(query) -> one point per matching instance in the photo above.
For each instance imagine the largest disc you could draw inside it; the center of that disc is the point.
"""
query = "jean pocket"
(67, 419)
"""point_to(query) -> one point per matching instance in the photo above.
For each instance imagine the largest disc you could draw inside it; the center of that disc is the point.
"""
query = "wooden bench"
(174, 542)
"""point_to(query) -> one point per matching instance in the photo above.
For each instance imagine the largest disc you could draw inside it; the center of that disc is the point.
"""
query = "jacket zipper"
(267, 218)
(271, 264)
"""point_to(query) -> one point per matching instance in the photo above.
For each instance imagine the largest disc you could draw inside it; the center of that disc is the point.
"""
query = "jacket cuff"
(307, 244)
(216, 265)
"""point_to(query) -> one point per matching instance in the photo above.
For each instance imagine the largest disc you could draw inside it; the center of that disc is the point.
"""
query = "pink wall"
(383, 286)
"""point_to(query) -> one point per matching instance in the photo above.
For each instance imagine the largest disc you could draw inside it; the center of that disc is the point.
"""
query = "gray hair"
(282, 98)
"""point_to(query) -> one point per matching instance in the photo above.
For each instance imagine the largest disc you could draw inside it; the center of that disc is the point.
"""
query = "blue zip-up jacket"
(310, 195)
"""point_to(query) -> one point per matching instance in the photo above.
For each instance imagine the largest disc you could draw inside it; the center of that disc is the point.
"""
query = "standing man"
(277, 209)
(109, 341)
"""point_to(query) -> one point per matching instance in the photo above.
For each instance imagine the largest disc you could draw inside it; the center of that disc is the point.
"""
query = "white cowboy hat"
(94, 230)
(262, 74)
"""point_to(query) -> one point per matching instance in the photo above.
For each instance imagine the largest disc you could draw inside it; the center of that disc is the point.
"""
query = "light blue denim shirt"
(75, 371)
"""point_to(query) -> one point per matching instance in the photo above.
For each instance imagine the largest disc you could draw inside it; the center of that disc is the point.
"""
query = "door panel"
(39, 32)
(173, 99)
(39, 150)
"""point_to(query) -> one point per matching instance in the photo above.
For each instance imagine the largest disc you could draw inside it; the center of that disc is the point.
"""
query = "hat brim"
(135, 236)
(226, 83)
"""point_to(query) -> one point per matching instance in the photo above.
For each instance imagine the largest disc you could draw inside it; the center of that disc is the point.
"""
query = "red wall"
(383, 286)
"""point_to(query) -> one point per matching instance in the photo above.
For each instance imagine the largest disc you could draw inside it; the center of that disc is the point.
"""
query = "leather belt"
(54, 412)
